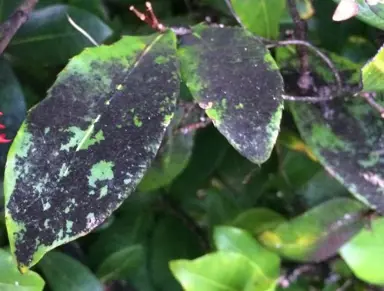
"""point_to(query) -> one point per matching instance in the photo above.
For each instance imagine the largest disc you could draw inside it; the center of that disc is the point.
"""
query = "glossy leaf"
(64, 273)
(373, 73)
(317, 234)
(364, 254)
(367, 14)
(48, 38)
(266, 264)
(258, 220)
(101, 126)
(12, 104)
(347, 137)
(121, 263)
(235, 79)
(12, 280)
(261, 17)
(217, 271)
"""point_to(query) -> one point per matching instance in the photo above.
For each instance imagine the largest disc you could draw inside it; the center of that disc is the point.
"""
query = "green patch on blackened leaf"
(324, 137)
(235, 79)
(92, 147)
(100, 172)
(167, 119)
(347, 137)
(161, 60)
(271, 61)
(137, 121)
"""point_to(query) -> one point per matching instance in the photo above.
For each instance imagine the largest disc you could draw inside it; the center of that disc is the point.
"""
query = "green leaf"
(261, 17)
(318, 233)
(95, 134)
(367, 14)
(171, 239)
(265, 263)
(120, 264)
(347, 138)
(373, 72)
(364, 254)
(258, 220)
(12, 280)
(171, 160)
(48, 38)
(66, 274)
(219, 271)
(12, 104)
(235, 79)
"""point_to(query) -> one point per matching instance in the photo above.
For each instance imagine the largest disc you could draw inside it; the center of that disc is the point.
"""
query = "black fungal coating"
(150, 90)
(362, 136)
(232, 65)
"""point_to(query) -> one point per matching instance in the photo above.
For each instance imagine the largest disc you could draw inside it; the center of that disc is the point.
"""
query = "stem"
(326, 60)
(9, 28)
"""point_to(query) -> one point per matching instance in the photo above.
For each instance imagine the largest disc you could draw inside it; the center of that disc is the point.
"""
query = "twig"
(312, 99)
(326, 60)
(300, 32)
(9, 28)
(369, 97)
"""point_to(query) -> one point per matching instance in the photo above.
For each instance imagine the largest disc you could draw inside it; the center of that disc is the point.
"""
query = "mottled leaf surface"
(373, 72)
(317, 234)
(347, 137)
(84, 148)
(232, 75)
(364, 254)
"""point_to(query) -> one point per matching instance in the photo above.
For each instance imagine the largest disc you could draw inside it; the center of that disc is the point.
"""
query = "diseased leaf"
(266, 264)
(235, 79)
(364, 254)
(373, 73)
(217, 271)
(84, 149)
(347, 137)
(12, 280)
(261, 17)
(48, 38)
(12, 104)
(317, 234)
(64, 273)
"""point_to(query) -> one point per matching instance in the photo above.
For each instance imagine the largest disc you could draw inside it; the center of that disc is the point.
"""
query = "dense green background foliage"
(114, 169)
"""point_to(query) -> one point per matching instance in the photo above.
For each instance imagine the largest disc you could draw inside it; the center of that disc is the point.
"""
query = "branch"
(315, 50)
(9, 28)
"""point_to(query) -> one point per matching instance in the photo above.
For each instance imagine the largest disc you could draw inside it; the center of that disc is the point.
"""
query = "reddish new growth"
(2, 135)
(149, 18)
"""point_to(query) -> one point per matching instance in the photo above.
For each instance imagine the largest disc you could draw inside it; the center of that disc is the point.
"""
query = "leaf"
(12, 104)
(367, 14)
(171, 160)
(258, 220)
(66, 274)
(12, 280)
(219, 271)
(364, 254)
(121, 263)
(170, 240)
(317, 234)
(347, 137)
(84, 149)
(261, 17)
(266, 264)
(373, 72)
(48, 38)
(235, 79)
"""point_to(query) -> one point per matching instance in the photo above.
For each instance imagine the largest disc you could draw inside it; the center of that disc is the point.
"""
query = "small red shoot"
(149, 17)
(3, 139)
